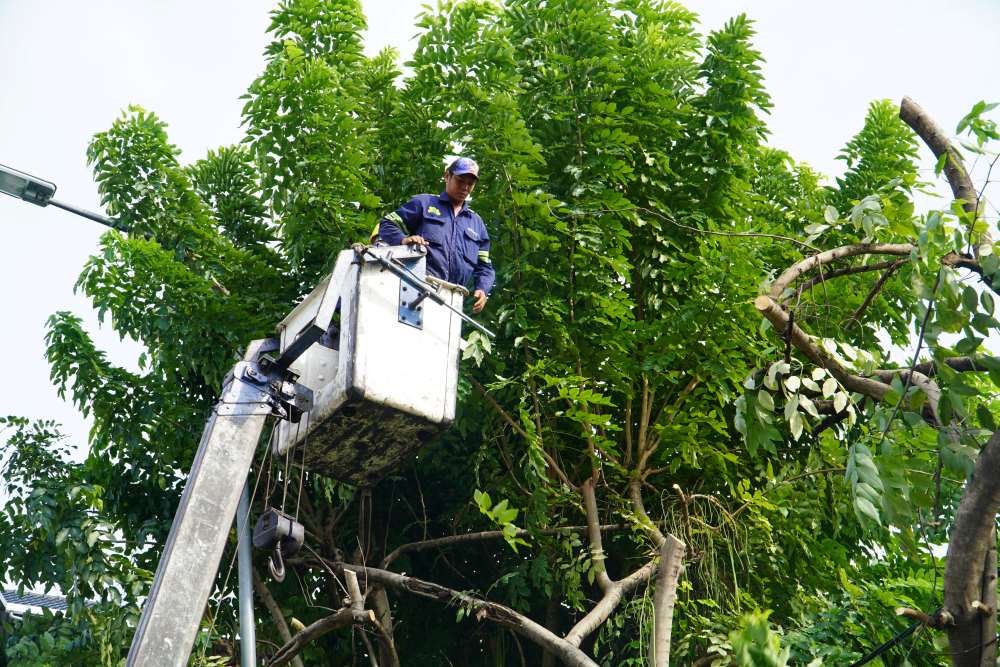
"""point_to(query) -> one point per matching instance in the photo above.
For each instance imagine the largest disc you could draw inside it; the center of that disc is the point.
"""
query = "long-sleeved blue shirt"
(459, 247)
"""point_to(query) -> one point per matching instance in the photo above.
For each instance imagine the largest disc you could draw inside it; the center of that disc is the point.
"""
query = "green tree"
(633, 392)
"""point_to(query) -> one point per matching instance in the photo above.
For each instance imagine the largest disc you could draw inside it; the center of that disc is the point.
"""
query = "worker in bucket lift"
(458, 247)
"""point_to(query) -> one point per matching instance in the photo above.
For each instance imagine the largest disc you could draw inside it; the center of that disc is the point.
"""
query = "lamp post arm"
(96, 217)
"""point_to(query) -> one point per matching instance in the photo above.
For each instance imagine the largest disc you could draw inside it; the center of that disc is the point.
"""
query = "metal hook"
(277, 571)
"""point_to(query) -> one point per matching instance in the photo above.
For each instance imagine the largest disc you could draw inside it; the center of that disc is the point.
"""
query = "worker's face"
(458, 187)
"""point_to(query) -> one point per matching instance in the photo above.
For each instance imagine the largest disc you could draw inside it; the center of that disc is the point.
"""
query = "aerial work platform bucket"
(385, 382)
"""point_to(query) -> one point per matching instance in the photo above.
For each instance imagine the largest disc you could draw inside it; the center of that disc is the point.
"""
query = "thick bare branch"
(358, 605)
(671, 560)
(913, 115)
(482, 610)
(794, 272)
(972, 536)
(779, 318)
(809, 263)
(594, 536)
(608, 603)
(341, 619)
(917, 379)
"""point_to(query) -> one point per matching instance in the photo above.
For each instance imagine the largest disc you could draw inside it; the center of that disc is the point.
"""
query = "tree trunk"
(989, 598)
(387, 656)
(671, 560)
(971, 548)
(552, 624)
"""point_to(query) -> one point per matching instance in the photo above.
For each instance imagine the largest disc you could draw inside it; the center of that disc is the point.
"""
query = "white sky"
(72, 66)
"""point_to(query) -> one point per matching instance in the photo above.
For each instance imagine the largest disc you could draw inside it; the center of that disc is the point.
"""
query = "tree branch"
(973, 364)
(482, 609)
(846, 271)
(358, 605)
(639, 508)
(971, 537)
(809, 263)
(913, 115)
(612, 597)
(594, 536)
(524, 434)
(671, 560)
(792, 273)
(276, 616)
(855, 317)
(341, 619)
(487, 535)
(779, 318)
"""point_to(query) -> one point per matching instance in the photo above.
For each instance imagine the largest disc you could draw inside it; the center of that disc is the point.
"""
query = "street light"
(39, 192)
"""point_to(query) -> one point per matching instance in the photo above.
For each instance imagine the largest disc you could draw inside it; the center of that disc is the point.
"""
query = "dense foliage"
(635, 210)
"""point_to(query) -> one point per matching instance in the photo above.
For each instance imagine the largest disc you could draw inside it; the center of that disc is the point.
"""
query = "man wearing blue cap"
(458, 247)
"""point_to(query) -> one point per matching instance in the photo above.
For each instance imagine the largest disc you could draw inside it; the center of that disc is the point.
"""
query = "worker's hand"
(411, 240)
(480, 301)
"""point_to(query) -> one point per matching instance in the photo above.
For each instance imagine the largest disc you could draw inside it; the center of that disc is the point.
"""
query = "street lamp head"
(25, 186)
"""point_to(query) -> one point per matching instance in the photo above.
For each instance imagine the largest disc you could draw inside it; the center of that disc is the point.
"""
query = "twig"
(876, 288)
(672, 221)
(847, 271)
(488, 535)
(524, 434)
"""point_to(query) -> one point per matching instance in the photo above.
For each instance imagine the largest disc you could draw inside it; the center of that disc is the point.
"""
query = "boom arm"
(198, 536)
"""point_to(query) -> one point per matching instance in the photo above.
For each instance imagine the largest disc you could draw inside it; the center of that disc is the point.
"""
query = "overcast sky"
(71, 67)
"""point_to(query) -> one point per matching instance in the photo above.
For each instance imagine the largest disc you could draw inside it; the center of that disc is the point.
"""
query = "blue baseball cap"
(464, 165)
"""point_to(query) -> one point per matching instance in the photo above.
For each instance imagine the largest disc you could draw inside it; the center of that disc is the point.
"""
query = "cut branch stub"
(778, 317)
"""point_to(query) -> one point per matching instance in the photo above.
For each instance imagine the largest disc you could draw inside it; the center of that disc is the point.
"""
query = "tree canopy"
(698, 337)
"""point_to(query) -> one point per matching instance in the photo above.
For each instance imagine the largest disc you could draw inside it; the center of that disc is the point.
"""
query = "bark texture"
(340, 619)
(568, 653)
(972, 539)
(970, 574)
(958, 178)
(671, 560)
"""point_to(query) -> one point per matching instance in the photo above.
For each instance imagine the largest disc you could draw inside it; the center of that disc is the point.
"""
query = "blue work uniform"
(459, 247)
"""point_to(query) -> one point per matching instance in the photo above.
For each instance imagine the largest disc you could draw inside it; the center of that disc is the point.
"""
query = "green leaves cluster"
(622, 167)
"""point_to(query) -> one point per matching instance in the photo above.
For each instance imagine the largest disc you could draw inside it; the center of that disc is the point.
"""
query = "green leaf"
(985, 417)
(986, 299)
(829, 387)
(796, 424)
(865, 508)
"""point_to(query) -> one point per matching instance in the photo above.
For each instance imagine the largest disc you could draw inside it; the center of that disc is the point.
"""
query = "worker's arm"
(397, 227)
(484, 275)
